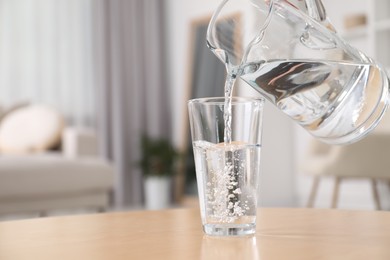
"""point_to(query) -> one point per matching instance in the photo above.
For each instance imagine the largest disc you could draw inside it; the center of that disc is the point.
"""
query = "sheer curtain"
(46, 56)
(133, 94)
(100, 62)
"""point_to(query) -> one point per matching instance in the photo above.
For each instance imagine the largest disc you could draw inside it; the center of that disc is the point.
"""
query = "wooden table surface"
(282, 234)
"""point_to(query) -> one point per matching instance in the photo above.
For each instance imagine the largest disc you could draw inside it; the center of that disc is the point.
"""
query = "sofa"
(46, 180)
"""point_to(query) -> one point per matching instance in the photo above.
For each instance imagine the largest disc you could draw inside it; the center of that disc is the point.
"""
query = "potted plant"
(158, 159)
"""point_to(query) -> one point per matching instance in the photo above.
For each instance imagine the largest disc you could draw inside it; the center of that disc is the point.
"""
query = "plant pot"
(157, 192)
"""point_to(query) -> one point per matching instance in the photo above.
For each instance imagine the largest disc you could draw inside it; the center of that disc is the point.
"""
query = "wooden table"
(282, 234)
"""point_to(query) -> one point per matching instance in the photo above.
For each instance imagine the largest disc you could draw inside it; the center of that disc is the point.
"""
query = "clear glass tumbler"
(227, 173)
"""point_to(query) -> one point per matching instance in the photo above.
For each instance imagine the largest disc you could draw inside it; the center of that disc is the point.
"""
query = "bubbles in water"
(227, 175)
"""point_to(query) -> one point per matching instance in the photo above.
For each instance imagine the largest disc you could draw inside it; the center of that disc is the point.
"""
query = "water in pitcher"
(314, 92)
(326, 97)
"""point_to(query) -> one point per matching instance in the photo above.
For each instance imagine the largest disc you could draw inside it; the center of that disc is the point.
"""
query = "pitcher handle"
(316, 10)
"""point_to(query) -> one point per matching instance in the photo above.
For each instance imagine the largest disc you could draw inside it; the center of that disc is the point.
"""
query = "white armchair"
(73, 178)
(367, 158)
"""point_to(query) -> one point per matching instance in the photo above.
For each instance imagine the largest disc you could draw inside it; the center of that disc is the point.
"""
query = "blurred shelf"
(357, 32)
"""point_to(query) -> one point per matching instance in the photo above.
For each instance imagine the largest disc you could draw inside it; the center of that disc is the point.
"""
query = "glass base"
(229, 229)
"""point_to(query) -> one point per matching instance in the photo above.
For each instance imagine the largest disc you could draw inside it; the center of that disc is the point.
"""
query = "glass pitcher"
(290, 53)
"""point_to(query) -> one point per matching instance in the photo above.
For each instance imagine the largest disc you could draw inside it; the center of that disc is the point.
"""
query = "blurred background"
(93, 110)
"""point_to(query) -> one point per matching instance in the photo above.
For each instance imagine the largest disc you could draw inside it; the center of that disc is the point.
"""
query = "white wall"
(179, 15)
(277, 183)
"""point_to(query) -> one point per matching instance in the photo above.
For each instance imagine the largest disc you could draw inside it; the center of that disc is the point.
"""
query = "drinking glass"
(227, 173)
